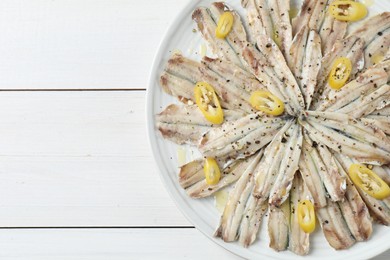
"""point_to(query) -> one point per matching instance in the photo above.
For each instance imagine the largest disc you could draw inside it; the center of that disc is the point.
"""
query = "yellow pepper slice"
(369, 181)
(208, 103)
(341, 70)
(277, 38)
(266, 102)
(349, 11)
(211, 171)
(224, 25)
(306, 217)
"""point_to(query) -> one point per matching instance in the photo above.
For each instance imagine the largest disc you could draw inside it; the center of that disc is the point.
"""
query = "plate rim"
(151, 131)
(160, 166)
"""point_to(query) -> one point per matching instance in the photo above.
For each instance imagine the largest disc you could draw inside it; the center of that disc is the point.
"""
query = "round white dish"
(202, 213)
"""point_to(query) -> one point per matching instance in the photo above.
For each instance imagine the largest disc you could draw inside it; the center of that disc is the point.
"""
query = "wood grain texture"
(110, 244)
(79, 159)
(113, 244)
(76, 44)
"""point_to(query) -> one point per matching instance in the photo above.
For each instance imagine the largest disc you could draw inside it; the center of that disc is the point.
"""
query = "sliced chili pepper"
(341, 70)
(306, 216)
(224, 25)
(349, 11)
(369, 181)
(208, 103)
(211, 171)
(266, 102)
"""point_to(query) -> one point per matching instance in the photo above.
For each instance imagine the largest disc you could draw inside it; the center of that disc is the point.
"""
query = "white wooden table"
(77, 179)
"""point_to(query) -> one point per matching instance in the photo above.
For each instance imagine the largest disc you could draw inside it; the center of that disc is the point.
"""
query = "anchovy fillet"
(229, 175)
(344, 134)
(379, 209)
(314, 16)
(311, 174)
(319, 171)
(332, 31)
(186, 124)
(178, 87)
(372, 27)
(234, 74)
(251, 221)
(335, 228)
(263, 71)
(379, 118)
(305, 61)
(207, 27)
(377, 50)
(354, 210)
(363, 85)
(311, 67)
(378, 122)
(276, 172)
(236, 206)
(288, 167)
(383, 172)
(269, 167)
(231, 96)
(240, 138)
(270, 68)
(269, 18)
(299, 240)
(297, 52)
(237, 37)
(311, 15)
(192, 172)
(366, 104)
(279, 226)
(351, 48)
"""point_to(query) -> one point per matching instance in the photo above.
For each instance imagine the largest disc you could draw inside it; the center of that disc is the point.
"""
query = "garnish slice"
(369, 181)
(266, 102)
(208, 103)
(211, 171)
(341, 70)
(306, 217)
(349, 11)
(225, 25)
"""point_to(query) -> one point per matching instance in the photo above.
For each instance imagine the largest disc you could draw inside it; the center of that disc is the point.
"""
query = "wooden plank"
(113, 244)
(79, 159)
(75, 44)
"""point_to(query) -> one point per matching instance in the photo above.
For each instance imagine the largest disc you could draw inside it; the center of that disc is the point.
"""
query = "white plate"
(202, 213)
